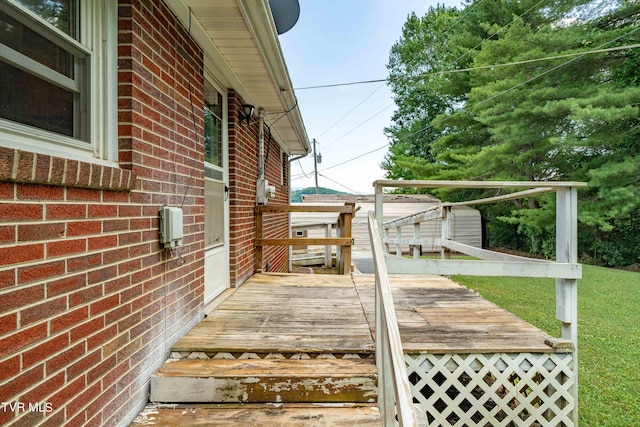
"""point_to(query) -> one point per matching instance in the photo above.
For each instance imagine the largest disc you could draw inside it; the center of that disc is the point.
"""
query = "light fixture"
(246, 112)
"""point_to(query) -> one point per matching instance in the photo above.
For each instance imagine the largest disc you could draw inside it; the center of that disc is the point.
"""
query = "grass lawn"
(608, 335)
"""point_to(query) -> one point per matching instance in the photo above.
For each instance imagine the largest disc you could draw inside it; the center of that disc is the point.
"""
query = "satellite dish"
(285, 14)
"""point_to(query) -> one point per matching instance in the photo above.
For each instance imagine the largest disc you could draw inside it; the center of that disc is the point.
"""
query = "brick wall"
(243, 172)
(89, 302)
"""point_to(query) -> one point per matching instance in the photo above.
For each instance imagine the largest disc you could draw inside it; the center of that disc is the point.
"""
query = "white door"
(216, 203)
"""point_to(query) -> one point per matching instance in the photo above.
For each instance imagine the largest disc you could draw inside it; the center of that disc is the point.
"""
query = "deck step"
(260, 415)
(265, 380)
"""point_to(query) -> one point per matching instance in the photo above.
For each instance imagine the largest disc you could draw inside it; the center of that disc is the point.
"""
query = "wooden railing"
(394, 390)
(343, 240)
(565, 269)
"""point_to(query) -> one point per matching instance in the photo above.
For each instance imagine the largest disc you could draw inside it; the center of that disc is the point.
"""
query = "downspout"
(261, 165)
(262, 186)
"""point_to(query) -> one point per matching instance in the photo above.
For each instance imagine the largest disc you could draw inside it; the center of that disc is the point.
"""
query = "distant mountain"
(296, 195)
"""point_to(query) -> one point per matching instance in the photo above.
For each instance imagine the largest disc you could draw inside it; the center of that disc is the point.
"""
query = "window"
(53, 88)
(213, 126)
(214, 186)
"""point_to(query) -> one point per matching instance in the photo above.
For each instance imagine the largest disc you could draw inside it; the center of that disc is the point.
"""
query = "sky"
(341, 41)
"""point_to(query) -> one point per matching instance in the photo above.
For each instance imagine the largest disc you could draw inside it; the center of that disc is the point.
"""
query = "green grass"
(608, 335)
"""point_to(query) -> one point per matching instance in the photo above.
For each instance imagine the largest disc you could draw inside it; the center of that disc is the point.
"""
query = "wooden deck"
(310, 315)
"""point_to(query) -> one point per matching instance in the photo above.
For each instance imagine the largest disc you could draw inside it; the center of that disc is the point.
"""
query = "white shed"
(467, 227)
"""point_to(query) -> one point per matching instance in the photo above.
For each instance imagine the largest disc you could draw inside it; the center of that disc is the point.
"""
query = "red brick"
(83, 228)
(40, 271)
(96, 407)
(84, 262)
(33, 232)
(43, 311)
(102, 242)
(66, 211)
(129, 267)
(85, 296)
(8, 323)
(86, 329)
(118, 196)
(39, 192)
(84, 365)
(113, 346)
(68, 392)
(102, 275)
(72, 171)
(55, 419)
(65, 358)
(69, 319)
(20, 211)
(102, 337)
(128, 210)
(83, 194)
(7, 234)
(110, 226)
(7, 190)
(7, 278)
(66, 247)
(20, 297)
(66, 284)
(43, 167)
(125, 352)
(23, 338)
(74, 406)
(57, 171)
(19, 254)
(9, 368)
(96, 172)
(104, 304)
(84, 174)
(24, 419)
(129, 322)
(115, 255)
(81, 418)
(103, 211)
(21, 382)
(116, 284)
(44, 351)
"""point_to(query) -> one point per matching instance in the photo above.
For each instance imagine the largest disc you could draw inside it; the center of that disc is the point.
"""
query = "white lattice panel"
(520, 389)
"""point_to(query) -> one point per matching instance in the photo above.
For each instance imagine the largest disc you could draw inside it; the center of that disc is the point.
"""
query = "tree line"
(526, 90)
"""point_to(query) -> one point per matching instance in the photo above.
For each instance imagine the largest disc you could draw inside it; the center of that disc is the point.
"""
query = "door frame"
(224, 249)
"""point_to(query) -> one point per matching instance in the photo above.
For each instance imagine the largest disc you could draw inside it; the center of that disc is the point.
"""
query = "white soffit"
(240, 39)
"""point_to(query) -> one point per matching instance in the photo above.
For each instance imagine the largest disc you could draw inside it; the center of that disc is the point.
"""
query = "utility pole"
(315, 164)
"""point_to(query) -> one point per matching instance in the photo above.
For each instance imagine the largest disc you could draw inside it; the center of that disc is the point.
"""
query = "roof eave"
(269, 84)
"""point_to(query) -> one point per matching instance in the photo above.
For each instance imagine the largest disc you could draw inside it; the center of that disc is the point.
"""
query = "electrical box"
(264, 191)
(171, 227)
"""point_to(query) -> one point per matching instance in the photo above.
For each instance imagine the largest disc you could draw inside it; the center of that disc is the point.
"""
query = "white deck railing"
(394, 391)
(565, 269)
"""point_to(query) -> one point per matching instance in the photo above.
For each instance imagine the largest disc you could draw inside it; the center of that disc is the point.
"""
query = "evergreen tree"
(573, 118)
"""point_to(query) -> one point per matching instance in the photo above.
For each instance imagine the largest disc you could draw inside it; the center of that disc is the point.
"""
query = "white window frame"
(98, 34)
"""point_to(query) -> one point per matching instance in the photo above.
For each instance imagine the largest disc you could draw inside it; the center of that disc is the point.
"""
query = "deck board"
(256, 415)
(436, 315)
(285, 313)
(296, 313)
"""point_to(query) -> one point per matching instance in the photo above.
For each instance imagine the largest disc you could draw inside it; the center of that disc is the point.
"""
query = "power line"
(577, 57)
(457, 20)
(581, 55)
(482, 67)
(357, 157)
(350, 111)
(341, 185)
(361, 124)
